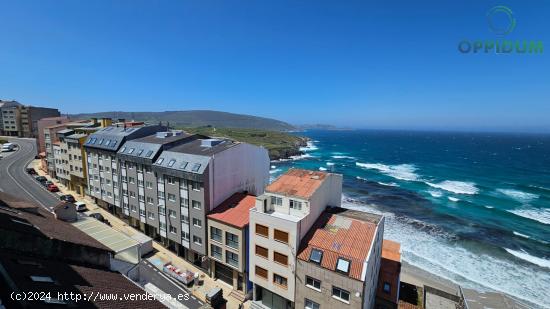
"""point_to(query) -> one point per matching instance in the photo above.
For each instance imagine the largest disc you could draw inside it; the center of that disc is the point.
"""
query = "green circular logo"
(501, 20)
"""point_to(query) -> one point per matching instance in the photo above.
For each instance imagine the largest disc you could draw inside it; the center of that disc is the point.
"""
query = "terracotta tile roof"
(297, 182)
(235, 210)
(14, 208)
(338, 235)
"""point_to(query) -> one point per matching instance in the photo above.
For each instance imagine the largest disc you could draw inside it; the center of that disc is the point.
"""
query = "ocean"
(473, 208)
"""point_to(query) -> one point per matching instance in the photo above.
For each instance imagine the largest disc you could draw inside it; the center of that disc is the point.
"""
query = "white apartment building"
(282, 217)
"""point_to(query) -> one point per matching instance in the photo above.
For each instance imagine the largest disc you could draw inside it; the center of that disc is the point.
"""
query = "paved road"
(149, 273)
(14, 180)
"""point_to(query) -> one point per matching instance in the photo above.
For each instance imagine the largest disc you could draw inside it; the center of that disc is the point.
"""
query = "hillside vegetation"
(279, 144)
(197, 118)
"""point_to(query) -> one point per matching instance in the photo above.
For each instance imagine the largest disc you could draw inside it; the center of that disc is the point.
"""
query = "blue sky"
(367, 64)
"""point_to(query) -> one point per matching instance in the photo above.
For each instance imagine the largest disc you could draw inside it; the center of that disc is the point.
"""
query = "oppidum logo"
(501, 21)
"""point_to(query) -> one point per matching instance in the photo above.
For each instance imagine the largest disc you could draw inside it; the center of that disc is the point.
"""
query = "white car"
(8, 147)
(80, 206)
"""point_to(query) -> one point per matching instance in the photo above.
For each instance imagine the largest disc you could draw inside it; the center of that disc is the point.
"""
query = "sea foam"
(343, 157)
(529, 258)
(435, 193)
(541, 215)
(310, 146)
(522, 197)
(401, 171)
(458, 187)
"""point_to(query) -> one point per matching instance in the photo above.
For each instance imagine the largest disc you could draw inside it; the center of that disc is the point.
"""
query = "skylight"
(159, 161)
(41, 279)
(131, 150)
(123, 149)
(196, 167)
(139, 152)
(149, 153)
(100, 141)
(316, 256)
(183, 165)
(107, 142)
(342, 265)
(171, 163)
(114, 144)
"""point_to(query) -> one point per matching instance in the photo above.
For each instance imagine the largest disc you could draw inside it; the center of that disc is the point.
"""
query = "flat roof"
(297, 182)
(105, 234)
(235, 210)
(339, 234)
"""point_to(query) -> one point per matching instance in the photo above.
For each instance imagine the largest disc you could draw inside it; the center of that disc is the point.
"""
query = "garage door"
(224, 273)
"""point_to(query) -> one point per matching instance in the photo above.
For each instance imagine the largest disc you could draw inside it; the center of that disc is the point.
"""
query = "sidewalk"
(162, 254)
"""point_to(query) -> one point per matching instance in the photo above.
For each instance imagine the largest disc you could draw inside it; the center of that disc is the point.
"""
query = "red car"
(53, 188)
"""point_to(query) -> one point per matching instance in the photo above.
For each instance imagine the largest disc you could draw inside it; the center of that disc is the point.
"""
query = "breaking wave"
(540, 215)
(520, 196)
(400, 171)
(458, 187)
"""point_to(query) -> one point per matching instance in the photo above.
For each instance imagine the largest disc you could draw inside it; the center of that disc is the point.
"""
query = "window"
(42, 279)
(171, 180)
(171, 163)
(142, 212)
(172, 213)
(159, 161)
(216, 252)
(196, 204)
(387, 287)
(216, 234)
(162, 210)
(151, 215)
(281, 236)
(184, 202)
(340, 294)
(183, 165)
(261, 251)
(184, 219)
(280, 258)
(262, 230)
(342, 265)
(279, 280)
(132, 194)
(184, 236)
(231, 240)
(133, 208)
(261, 272)
(171, 197)
(140, 183)
(197, 222)
(295, 205)
(232, 258)
(149, 153)
(139, 152)
(197, 240)
(313, 283)
(183, 184)
(150, 200)
(276, 201)
(173, 229)
(149, 185)
(196, 167)
(316, 256)
(309, 304)
(131, 150)
(195, 185)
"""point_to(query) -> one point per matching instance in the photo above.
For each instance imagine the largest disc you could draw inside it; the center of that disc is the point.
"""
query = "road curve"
(15, 181)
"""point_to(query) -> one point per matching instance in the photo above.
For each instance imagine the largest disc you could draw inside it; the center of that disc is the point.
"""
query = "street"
(14, 180)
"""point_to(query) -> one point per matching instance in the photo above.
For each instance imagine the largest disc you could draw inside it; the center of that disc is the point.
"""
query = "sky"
(362, 64)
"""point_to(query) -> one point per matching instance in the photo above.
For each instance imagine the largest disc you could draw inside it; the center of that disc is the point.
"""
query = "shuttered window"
(261, 272)
(262, 230)
(281, 236)
(280, 258)
(261, 251)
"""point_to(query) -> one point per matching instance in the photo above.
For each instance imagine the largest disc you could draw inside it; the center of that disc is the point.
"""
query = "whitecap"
(361, 178)
(541, 215)
(301, 157)
(458, 187)
(521, 235)
(322, 168)
(310, 146)
(435, 193)
(519, 196)
(343, 157)
(453, 199)
(489, 207)
(330, 163)
(529, 258)
(275, 171)
(389, 184)
(401, 171)
(273, 166)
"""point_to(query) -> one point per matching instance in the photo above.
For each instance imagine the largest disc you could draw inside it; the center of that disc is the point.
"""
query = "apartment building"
(195, 177)
(339, 260)
(103, 168)
(21, 120)
(51, 138)
(228, 242)
(279, 221)
(44, 123)
(78, 176)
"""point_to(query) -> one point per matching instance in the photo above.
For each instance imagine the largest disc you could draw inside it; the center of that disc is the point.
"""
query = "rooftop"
(297, 182)
(25, 217)
(391, 250)
(390, 269)
(235, 210)
(111, 137)
(340, 240)
(37, 274)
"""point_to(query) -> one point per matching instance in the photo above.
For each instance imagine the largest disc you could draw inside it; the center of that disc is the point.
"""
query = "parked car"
(52, 188)
(80, 206)
(8, 147)
(47, 183)
(41, 179)
(97, 216)
(67, 198)
(31, 171)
